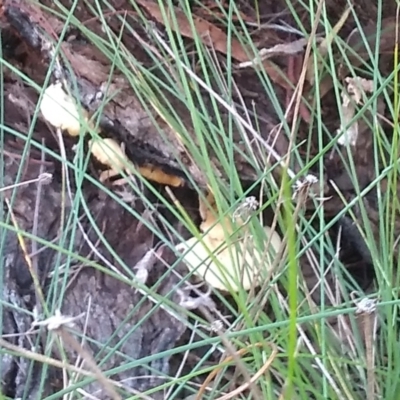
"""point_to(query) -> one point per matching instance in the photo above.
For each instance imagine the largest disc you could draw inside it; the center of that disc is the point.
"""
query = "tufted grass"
(264, 332)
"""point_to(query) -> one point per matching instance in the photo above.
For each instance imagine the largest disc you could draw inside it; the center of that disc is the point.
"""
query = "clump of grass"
(293, 364)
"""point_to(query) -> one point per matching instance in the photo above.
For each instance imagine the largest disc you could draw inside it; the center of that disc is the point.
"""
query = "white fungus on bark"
(61, 111)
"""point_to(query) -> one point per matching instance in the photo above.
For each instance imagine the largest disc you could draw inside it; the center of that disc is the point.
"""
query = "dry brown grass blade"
(246, 385)
(254, 378)
(214, 37)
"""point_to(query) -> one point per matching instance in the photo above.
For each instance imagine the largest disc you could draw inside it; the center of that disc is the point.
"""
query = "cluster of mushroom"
(225, 256)
(61, 111)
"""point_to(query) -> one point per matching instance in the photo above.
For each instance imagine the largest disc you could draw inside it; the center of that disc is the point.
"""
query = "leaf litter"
(352, 96)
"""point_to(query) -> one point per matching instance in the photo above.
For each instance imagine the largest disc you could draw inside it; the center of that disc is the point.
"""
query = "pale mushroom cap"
(109, 153)
(60, 110)
(216, 230)
(235, 268)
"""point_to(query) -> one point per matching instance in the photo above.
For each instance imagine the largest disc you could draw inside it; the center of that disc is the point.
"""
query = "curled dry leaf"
(357, 131)
(294, 47)
(61, 111)
(216, 37)
(226, 260)
(352, 96)
(211, 36)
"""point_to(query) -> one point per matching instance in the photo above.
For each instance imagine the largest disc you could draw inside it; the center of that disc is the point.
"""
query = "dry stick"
(183, 362)
(344, 330)
(234, 354)
(244, 386)
(42, 359)
(84, 333)
(157, 54)
(367, 311)
(298, 92)
(52, 241)
(30, 160)
(321, 281)
(296, 98)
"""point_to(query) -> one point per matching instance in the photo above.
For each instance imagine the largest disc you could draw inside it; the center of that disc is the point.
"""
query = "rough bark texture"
(123, 115)
(111, 309)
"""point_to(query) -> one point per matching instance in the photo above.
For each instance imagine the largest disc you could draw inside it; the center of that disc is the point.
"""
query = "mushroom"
(110, 153)
(227, 262)
(61, 111)
(225, 270)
